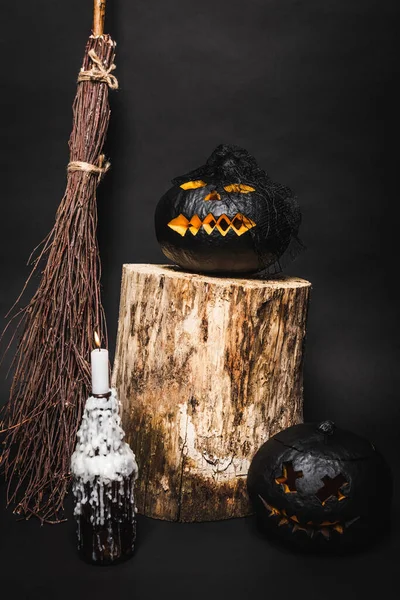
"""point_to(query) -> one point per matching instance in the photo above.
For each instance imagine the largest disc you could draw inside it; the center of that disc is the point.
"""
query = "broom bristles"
(51, 365)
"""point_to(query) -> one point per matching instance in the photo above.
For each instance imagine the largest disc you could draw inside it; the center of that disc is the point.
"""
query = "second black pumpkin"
(320, 487)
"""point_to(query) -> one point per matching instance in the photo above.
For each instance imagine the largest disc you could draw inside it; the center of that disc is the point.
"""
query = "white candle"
(99, 363)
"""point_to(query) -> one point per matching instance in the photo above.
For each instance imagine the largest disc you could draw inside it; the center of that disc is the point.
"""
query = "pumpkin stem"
(327, 427)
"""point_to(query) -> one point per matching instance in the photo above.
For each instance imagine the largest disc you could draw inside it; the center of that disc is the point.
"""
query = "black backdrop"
(308, 87)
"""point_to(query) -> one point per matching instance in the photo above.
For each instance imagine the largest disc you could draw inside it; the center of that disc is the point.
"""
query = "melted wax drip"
(104, 472)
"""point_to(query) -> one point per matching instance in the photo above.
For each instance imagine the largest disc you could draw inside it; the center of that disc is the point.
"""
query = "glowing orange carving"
(325, 528)
(179, 224)
(209, 223)
(239, 188)
(288, 479)
(331, 489)
(193, 185)
(195, 224)
(239, 224)
(213, 196)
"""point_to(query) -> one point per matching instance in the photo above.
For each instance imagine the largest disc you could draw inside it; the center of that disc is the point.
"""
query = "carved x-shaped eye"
(332, 488)
(288, 478)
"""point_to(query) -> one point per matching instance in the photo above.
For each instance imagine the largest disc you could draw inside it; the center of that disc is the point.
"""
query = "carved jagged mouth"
(326, 528)
(239, 224)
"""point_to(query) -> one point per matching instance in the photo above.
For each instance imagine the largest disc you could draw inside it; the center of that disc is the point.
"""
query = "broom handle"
(98, 17)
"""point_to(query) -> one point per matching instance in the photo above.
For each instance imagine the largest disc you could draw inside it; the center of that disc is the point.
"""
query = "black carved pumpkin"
(227, 217)
(320, 487)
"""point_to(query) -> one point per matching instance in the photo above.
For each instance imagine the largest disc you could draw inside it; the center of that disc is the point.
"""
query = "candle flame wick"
(97, 339)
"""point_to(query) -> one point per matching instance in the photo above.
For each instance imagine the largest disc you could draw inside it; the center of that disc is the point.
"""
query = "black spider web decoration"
(232, 164)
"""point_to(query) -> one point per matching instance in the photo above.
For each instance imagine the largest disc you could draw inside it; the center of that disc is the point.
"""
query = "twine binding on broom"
(99, 73)
(80, 165)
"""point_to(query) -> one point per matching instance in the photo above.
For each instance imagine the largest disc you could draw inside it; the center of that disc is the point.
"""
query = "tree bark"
(207, 369)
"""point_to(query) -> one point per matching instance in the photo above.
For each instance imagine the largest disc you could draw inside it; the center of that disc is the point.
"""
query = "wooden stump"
(207, 369)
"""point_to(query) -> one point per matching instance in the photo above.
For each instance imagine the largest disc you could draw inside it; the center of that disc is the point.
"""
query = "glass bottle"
(104, 471)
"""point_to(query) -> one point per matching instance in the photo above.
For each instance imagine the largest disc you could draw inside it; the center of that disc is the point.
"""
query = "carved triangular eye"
(213, 196)
(193, 185)
(240, 188)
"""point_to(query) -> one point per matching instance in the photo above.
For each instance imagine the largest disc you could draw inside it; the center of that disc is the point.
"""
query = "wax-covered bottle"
(104, 471)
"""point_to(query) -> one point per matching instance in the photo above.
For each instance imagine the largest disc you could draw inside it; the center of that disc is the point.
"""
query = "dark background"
(310, 88)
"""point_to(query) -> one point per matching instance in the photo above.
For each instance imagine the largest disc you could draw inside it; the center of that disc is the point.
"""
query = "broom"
(51, 365)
